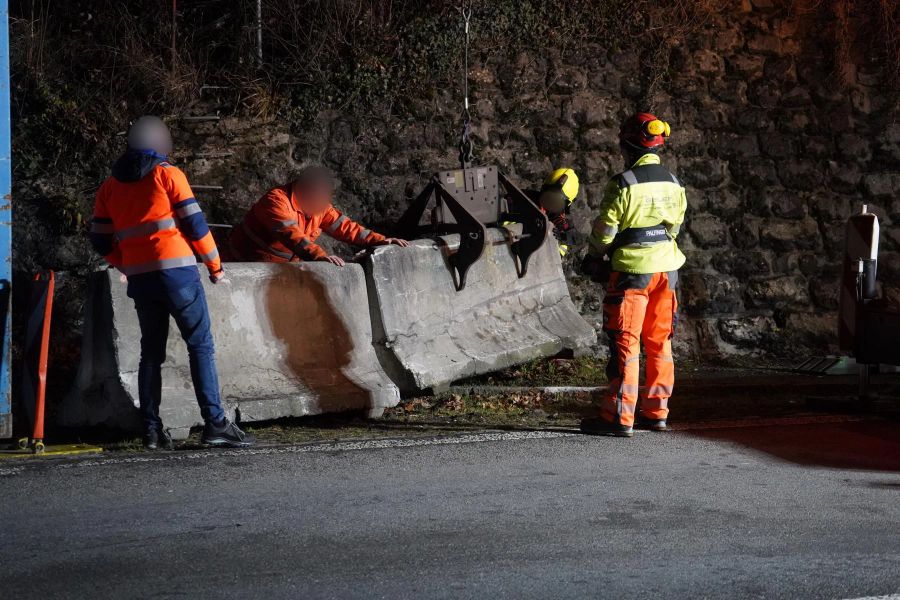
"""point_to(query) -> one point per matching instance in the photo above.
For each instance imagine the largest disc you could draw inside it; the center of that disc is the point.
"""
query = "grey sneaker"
(227, 435)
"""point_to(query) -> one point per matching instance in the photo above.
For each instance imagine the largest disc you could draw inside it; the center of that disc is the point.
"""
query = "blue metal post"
(5, 226)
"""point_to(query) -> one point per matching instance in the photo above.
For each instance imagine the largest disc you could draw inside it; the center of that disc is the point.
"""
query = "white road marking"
(550, 389)
(888, 597)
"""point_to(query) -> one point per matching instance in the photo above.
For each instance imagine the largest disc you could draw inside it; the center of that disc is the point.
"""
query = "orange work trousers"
(639, 309)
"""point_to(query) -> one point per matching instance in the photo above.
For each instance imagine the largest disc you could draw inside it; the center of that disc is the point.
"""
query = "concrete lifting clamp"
(465, 202)
(468, 199)
(867, 330)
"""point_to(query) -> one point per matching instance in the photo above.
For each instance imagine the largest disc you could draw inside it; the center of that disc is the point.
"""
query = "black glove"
(598, 268)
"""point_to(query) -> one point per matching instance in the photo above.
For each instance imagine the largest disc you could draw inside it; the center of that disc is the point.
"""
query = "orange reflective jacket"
(151, 223)
(276, 229)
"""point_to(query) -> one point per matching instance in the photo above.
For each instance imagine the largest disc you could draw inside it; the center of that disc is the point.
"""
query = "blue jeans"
(187, 305)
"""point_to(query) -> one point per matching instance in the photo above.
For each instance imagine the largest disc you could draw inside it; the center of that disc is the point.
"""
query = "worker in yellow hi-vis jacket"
(633, 241)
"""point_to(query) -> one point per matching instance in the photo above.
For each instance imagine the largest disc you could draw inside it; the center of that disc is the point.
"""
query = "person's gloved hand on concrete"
(218, 276)
(335, 260)
(394, 242)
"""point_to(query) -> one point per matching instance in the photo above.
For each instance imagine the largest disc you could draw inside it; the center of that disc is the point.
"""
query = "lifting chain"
(466, 147)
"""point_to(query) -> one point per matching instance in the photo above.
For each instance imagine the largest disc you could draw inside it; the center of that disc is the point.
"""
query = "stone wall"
(774, 150)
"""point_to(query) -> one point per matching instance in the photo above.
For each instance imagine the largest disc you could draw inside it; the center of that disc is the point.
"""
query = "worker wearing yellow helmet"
(555, 198)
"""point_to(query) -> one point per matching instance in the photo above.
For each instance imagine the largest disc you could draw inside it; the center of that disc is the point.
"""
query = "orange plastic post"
(38, 433)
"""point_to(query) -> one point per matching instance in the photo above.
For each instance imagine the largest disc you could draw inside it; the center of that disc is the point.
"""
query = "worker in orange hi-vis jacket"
(285, 223)
(148, 224)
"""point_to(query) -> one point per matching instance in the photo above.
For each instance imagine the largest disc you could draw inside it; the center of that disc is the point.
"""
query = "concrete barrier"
(291, 340)
(429, 335)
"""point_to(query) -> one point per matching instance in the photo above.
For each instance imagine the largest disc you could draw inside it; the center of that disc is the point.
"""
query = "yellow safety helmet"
(564, 180)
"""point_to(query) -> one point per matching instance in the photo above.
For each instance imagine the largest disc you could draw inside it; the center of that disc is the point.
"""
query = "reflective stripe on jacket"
(275, 229)
(152, 223)
(646, 195)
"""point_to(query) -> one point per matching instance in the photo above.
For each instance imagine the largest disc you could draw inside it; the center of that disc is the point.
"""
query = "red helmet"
(644, 130)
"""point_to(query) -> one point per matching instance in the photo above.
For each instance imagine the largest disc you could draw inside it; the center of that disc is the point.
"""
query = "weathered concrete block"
(291, 340)
(430, 335)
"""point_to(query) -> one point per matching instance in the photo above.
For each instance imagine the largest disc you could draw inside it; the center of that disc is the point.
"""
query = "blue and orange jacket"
(146, 220)
(276, 229)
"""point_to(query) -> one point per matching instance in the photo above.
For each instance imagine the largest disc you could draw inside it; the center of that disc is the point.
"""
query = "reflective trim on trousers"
(159, 265)
(629, 389)
(263, 245)
(655, 404)
(663, 391)
(334, 226)
(624, 408)
(146, 228)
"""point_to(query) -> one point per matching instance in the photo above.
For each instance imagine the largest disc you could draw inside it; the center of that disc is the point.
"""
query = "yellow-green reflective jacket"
(646, 195)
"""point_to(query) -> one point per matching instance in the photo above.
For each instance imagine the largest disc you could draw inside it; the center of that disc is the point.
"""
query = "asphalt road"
(782, 511)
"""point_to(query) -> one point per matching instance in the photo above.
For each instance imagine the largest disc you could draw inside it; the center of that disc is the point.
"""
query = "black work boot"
(652, 424)
(158, 438)
(599, 426)
(227, 435)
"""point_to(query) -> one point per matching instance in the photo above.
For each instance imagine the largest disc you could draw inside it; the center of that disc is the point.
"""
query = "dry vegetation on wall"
(81, 70)
(317, 53)
(860, 32)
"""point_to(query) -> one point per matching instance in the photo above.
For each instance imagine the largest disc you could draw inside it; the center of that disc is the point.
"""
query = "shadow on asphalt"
(869, 445)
